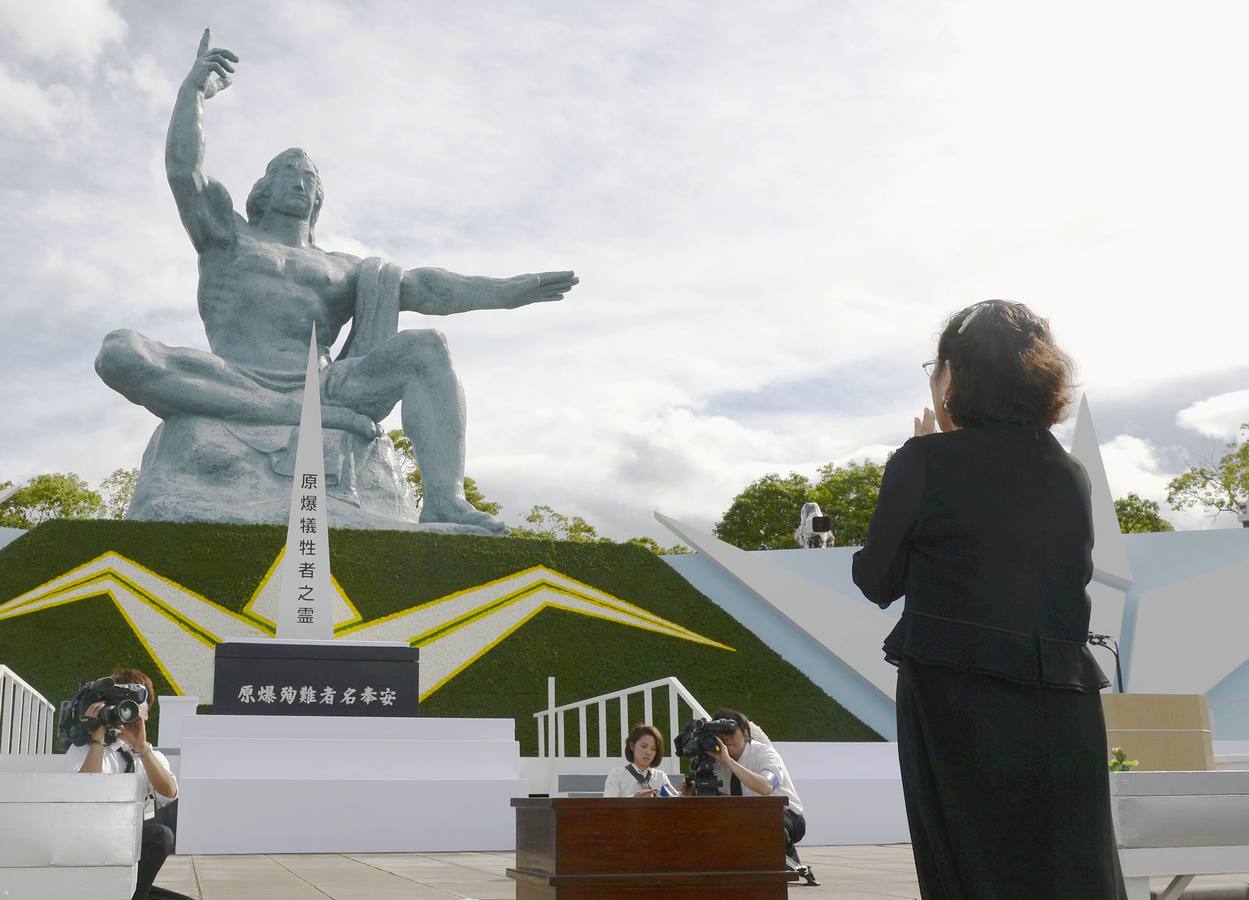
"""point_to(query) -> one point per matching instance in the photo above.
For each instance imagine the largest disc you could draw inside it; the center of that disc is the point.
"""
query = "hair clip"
(967, 321)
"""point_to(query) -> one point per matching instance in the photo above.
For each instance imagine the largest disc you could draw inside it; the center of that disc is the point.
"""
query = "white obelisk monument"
(305, 610)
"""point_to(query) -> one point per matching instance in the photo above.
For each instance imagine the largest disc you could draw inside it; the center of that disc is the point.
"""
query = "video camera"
(814, 528)
(121, 707)
(694, 741)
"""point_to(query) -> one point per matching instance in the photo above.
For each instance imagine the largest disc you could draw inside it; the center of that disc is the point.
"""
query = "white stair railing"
(26, 718)
(551, 721)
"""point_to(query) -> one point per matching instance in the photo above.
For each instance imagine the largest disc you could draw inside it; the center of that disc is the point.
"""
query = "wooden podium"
(660, 847)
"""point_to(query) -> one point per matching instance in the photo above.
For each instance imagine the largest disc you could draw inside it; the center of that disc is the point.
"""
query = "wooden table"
(660, 847)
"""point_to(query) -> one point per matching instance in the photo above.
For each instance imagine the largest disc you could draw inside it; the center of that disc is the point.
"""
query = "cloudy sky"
(772, 208)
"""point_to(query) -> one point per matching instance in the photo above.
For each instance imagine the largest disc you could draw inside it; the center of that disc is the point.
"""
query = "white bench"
(1180, 824)
(66, 836)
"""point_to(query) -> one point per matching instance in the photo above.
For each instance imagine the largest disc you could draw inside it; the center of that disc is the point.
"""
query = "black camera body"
(121, 707)
(693, 743)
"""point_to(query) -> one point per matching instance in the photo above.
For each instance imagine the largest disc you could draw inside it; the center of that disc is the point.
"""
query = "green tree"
(54, 496)
(1218, 487)
(847, 495)
(1138, 515)
(655, 547)
(117, 490)
(764, 515)
(547, 524)
(407, 463)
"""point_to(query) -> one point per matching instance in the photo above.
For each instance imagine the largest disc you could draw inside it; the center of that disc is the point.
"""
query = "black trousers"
(795, 829)
(157, 845)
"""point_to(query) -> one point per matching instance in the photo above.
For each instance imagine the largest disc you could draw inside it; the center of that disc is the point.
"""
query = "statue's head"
(289, 171)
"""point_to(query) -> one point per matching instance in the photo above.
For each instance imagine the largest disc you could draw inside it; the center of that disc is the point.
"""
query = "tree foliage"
(53, 496)
(117, 490)
(1138, 515)
(847, 495)
(407, 462)
(765, 514)
(1219, 486)
(544, 523)
(655, 547)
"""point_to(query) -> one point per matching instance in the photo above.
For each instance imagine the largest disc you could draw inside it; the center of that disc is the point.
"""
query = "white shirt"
(762, 759)
(621, 783)
(113, 763)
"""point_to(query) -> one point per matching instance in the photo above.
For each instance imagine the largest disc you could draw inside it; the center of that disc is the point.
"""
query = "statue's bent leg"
(172, 380)
(415, 366)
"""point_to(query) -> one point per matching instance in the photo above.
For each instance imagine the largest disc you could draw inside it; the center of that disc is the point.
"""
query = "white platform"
(294, 784)
(851, 792)
(66, 836)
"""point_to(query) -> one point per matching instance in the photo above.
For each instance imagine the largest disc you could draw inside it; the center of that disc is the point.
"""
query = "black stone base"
(315, 678)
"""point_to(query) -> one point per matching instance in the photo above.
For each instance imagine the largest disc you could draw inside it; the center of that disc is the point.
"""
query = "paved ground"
(845, 873)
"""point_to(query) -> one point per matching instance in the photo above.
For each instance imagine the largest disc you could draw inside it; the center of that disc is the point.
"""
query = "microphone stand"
(1105, 640)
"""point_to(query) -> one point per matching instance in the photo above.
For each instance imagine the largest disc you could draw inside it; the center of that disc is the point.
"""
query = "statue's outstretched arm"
(437, 292)
(203, 204)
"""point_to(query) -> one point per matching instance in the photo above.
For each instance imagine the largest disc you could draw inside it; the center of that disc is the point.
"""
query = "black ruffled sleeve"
(879, 569)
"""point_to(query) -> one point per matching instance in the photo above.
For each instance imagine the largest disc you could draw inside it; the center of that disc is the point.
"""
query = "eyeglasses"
(929, 367)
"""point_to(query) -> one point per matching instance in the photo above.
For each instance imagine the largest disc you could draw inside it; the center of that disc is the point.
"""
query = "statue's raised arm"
(203, 204)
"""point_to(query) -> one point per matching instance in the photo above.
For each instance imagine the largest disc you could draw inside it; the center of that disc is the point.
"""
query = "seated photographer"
(752, 768)
(126, 749)
(644, 749)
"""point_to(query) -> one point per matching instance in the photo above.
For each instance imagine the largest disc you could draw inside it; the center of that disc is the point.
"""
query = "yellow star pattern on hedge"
(179, 628)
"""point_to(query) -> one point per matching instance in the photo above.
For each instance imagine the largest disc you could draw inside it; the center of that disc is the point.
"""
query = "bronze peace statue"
(225, 449)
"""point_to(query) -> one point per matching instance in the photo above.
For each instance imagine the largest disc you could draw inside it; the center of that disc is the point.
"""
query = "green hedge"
(385, 571)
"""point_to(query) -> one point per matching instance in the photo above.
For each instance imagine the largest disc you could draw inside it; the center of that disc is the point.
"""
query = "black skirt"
(1007, 790)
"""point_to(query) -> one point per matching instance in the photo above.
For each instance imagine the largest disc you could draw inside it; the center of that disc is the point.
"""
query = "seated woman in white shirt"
(642, 777)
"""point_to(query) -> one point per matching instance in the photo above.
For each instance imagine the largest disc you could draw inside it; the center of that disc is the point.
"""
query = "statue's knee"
(117, 353)
(427, 346)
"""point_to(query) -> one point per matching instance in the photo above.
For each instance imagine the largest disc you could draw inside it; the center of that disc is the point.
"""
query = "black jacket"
(988, 532)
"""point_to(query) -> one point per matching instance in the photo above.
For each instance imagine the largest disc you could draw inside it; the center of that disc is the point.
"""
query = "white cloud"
(1134, 466)
(31, 110)
(65, 30)
(1218, 417)
(146, 75)
(761, 206)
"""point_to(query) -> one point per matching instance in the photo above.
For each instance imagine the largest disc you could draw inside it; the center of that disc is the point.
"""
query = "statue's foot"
(459, 511)
(345, 420)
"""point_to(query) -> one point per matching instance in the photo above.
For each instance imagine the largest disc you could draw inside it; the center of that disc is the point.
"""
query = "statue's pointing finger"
(213, 66)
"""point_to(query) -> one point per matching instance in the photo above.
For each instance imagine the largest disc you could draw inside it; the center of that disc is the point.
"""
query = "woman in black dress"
(986, 527)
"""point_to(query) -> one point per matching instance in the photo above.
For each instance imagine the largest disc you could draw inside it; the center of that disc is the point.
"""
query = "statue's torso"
(258, 299)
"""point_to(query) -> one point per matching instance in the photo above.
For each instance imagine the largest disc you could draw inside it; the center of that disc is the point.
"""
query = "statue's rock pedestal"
(199, 469)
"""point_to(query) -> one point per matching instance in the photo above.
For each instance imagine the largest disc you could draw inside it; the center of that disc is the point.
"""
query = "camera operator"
(129, 751)
(753, 768)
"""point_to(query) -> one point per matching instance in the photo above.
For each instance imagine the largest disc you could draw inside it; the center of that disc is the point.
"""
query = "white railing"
(26, 718)
(552, 732)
